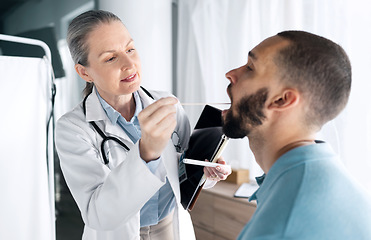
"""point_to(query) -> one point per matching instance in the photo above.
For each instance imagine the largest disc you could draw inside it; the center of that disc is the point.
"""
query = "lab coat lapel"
(95, 112)
(116, 130)
(146, 100)
(171, 166)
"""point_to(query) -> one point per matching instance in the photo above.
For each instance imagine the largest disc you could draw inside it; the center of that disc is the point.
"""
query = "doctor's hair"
(78, 33)
(320, 70)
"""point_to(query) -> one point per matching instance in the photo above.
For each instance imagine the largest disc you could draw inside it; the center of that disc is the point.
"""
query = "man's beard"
(249, 115)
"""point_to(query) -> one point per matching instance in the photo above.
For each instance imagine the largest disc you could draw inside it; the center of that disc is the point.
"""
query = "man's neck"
(268, 150)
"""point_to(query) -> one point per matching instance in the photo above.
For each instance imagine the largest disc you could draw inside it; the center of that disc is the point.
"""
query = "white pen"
(201, 163)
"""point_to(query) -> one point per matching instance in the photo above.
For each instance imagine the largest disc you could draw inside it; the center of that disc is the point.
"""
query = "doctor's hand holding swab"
(157, 122)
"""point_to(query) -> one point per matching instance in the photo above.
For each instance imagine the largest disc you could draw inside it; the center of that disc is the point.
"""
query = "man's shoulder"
(300, 200)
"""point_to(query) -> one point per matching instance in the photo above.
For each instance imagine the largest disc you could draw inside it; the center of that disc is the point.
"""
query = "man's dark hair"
(320, 69)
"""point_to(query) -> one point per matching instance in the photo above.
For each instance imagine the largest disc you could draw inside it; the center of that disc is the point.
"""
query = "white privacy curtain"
(26, 203)
(206, 37)
(215, 36)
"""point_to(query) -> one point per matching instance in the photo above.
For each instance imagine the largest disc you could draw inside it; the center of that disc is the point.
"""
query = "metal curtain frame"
(50, 162)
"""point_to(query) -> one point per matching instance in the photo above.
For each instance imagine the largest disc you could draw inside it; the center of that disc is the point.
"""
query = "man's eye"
(249, 68)
(130, 50)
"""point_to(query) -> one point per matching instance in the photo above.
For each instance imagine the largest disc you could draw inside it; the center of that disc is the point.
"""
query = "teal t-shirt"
(308, 194)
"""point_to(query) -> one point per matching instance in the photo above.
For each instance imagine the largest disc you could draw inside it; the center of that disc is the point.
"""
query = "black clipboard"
(206, 140)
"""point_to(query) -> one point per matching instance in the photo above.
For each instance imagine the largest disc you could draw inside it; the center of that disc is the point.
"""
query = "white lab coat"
(110, 197)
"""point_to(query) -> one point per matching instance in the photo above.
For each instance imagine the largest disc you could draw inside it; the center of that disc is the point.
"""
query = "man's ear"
(81, 70)
(287, 99)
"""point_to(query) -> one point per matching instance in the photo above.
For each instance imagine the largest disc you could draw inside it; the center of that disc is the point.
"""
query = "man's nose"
(231, 76)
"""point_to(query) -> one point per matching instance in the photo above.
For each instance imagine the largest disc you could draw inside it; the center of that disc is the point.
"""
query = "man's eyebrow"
(252, 55)
(111, 51)
(131, 40)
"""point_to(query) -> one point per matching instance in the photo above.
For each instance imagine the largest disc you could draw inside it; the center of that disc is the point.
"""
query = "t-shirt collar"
(292, 157)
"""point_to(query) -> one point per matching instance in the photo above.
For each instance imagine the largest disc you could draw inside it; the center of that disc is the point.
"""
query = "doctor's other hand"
(157, 123)
(218, 173)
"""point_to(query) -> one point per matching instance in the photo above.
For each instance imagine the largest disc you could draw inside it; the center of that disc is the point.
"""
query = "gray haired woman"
(115, 147)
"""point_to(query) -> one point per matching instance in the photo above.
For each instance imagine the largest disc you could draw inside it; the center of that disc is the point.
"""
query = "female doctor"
(115, 148)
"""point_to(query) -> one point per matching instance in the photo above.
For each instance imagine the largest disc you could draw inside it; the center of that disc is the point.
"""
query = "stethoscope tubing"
(104, 136)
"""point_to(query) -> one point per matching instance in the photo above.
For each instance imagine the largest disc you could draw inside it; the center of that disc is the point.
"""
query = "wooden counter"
(218, 215)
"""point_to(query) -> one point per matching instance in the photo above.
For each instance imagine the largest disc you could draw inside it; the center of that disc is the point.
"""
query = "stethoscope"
(107, 138)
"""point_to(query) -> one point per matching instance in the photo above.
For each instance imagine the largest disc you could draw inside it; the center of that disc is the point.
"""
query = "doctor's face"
(113, 62)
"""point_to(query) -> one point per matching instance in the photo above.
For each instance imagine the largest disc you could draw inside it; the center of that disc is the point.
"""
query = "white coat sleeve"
(106, 198)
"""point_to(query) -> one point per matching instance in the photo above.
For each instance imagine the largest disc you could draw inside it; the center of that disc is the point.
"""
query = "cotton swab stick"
(201, 104)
